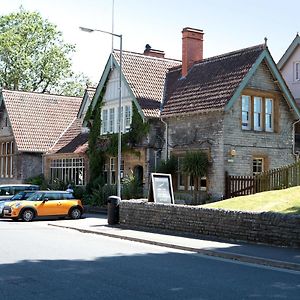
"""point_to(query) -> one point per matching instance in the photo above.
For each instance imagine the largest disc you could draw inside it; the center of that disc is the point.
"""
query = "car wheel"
(75, 213)
(27, 215)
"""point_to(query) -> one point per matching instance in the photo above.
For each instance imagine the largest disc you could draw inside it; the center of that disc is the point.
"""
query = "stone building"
(235, 106)
(289, 66)
(67, 159)
(143, 77)
(30, 123)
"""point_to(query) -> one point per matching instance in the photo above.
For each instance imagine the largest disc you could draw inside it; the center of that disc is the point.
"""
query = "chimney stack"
(152, 52)
(192, 48)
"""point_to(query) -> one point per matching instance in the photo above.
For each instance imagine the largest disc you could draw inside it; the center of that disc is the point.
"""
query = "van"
(9, 190)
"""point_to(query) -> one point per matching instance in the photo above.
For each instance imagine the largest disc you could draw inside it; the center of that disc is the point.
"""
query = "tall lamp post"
(120, 105)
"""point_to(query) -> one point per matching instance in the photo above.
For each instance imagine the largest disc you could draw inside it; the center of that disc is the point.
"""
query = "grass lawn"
(283, 201)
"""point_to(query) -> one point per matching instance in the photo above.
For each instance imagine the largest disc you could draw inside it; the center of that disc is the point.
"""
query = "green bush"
(132, 188)
(168, 167)
(99, 195)
(38, 180)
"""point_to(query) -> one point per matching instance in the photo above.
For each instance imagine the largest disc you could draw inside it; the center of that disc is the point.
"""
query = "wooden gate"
(239, 185)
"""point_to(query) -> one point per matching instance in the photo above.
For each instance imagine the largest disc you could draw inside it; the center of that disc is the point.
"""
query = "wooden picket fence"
(275, 179)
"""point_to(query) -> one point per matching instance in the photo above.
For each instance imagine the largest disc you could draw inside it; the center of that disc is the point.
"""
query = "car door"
(49, 206)
(65, 203)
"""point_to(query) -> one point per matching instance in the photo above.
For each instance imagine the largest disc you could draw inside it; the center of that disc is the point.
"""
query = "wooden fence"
(275, 179)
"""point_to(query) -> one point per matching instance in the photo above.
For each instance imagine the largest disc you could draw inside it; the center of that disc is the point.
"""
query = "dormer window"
(297, 71)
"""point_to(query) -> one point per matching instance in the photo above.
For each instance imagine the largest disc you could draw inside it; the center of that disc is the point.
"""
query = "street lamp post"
(120, 105)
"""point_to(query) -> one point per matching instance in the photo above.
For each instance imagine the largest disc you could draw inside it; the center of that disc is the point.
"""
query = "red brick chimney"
(152, 52)
(192, 48)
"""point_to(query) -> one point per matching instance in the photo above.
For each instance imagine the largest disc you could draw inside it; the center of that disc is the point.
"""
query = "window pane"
(127, 116)
(269, 115)
(104, 120)
(258, 165)
(257, 113)
(297, 71)
(111, 120)
(246, 112)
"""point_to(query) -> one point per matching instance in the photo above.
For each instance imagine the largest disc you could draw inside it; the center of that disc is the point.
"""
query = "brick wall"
(270, 228)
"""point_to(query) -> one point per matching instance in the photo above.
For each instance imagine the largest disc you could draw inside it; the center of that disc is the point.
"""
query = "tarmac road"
(45, 262)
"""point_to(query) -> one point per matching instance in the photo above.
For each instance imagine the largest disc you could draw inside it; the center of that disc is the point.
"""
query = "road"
(38, 261)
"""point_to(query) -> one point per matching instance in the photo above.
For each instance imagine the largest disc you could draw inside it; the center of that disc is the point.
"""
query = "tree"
(195, 164)
(33, 55)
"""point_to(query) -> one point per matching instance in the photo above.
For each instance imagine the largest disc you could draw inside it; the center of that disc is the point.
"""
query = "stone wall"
(201, 132)
(270, 228)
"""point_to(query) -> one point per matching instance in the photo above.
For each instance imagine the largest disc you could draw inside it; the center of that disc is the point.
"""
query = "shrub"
(132, 188)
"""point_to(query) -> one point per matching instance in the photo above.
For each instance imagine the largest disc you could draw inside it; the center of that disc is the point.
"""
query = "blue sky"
(228, 25)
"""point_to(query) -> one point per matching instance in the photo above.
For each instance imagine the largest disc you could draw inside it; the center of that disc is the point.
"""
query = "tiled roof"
(37, 119)
(71, 139)
(210, 83)
(145, 76)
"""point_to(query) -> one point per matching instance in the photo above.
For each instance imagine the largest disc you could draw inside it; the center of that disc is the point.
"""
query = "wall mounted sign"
(161, 189)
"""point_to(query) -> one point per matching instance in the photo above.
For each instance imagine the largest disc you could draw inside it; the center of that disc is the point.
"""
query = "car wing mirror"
(45, 199)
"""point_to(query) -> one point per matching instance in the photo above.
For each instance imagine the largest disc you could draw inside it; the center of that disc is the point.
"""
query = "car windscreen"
(35, 197)
(18, 196)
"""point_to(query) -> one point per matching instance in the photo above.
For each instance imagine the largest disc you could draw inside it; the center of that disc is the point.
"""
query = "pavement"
(267, 255)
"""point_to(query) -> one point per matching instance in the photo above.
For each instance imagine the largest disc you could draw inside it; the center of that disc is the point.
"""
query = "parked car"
(9, 190)
(44, 204)
(20, 196)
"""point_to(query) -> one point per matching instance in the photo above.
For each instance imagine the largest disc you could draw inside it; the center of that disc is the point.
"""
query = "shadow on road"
(147, 276)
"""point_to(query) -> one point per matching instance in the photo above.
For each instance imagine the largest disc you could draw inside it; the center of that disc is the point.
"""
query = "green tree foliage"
(34, 57)
(168, 167)
(195, 164)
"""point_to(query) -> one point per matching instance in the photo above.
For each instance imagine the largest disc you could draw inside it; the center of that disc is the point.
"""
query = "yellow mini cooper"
(44, 204)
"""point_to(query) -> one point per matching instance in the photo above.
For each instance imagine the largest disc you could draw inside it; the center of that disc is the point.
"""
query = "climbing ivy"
(102, 146)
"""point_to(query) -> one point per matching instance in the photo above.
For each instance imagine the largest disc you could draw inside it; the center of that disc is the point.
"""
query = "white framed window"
(257, 165)
(122, 168)
(257, 113)
(104, 121)
(112, 119)
(297, 71)
(68, 170)
(127, 117)
(246, 112)
(269, 126)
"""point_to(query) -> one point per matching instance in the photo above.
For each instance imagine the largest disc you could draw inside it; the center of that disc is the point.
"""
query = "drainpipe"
(294, 140)
(166, 138)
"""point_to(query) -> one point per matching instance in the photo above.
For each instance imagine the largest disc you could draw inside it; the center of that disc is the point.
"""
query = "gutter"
(166, 138)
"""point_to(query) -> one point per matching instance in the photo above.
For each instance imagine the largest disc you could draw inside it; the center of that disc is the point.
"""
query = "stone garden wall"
(270, 228)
